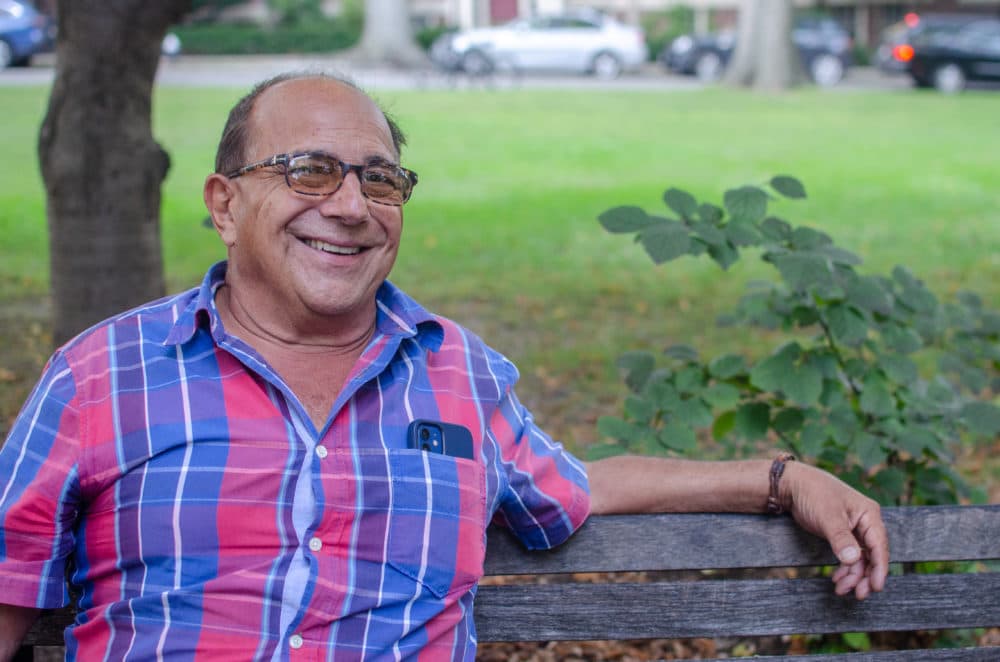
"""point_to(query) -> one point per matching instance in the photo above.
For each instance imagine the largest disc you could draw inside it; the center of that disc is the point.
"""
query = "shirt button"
(295, 641)
(322, 452)
(315, 544)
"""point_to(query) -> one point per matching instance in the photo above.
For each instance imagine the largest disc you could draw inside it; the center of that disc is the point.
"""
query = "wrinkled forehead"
(319, 114)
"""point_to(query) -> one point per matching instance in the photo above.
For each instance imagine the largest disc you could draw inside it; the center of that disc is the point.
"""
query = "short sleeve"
(547, 496)
(39, 493)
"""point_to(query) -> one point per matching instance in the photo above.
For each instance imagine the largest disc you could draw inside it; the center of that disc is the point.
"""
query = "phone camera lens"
(425, 434)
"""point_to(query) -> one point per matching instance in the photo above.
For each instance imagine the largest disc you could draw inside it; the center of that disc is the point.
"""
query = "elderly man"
(231, 473)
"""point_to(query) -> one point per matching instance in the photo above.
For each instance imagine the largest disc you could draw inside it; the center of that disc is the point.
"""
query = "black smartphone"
(437, 437)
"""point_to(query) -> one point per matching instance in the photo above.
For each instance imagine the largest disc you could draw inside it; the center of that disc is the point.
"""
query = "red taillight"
(903, 52)
(912, 20)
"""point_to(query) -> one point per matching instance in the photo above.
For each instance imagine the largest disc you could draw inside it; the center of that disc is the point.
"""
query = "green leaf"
(724, 424)
(638, 366)
(601, 451)
(813, 436)
(902, 339)
(709, 232)
(868, 293)
(610, 426)
(747, 203)
(725, 254)
(665, 241)
(876, 398)
(742, 232)
(806, 238)
(869, 450)
(898, 368)
(678, 436)
(639, 409)
(722, 396)
(788, 421)
(727, 366)
(776, 229)
(625, 219)
(840, 256)
(790, 372)
(915, 440)
(889, 483)
(789, 187)
(690, 380)
(753, 420)
(802, 270)
(694, 413)
(982, 418)
(710, 213)
(682, 202)
(915, 294)
(682, 352)
(847, 326)
(859, 641)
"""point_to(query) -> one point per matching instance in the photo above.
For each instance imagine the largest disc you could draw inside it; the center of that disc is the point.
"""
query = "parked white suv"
(581, 41)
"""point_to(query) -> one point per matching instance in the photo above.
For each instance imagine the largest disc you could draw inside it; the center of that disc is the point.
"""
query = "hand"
(850, 521)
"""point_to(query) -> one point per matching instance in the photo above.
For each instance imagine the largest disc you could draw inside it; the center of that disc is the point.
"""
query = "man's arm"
(820, 503)
(14, 624)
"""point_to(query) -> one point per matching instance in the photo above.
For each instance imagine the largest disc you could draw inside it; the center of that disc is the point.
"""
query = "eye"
(312, 171)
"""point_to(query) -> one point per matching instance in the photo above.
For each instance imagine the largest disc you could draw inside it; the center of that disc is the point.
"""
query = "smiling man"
(239, 471)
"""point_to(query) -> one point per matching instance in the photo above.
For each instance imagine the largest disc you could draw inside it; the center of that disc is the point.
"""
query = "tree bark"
(765, 57)
(101, 166)
(387, 37)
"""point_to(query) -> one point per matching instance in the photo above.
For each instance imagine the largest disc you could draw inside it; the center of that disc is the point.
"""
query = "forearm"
(14, 624)
(634, 484)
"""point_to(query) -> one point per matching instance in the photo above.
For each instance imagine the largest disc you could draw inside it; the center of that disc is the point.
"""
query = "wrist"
(779, 498)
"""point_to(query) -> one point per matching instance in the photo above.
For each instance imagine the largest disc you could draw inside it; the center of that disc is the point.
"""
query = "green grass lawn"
(502, 234)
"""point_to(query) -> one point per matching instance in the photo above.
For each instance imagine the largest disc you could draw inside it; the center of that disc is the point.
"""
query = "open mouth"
(331, 248)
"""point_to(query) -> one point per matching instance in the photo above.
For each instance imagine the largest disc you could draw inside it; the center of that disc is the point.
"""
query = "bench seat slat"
(698, 541)
(986, 654)
(711, 608)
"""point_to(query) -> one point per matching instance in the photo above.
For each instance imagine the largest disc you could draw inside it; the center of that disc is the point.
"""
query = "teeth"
(330, 248)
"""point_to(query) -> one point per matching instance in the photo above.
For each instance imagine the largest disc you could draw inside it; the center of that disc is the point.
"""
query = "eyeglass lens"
(318, 175)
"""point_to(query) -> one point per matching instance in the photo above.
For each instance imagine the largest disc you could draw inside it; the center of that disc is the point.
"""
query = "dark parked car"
(823, 44)
(895, 49)
(949, 56)
(23, 32)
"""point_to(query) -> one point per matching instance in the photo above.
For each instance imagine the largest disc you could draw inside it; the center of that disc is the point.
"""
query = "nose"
(347, 202)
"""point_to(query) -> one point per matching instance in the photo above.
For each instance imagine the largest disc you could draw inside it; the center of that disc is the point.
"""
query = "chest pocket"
(437, 522)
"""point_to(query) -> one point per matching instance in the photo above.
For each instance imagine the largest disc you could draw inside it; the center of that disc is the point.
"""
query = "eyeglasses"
(319, 173)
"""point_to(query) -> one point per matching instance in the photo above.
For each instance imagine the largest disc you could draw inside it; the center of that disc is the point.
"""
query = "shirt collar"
(397, 314)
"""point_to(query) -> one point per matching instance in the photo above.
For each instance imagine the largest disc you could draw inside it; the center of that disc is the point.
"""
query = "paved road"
(243, 71)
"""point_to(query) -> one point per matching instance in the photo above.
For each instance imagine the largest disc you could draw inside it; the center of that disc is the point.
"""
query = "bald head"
(236, 136)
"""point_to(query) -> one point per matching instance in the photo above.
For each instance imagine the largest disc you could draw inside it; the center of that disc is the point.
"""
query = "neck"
(346, 336)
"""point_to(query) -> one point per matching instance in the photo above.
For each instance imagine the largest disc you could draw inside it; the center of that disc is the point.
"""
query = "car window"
(984, 37)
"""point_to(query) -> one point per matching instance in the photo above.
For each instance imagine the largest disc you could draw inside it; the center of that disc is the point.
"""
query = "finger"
(876, 540)
(845, 546)
(847, 583)
(863, 589)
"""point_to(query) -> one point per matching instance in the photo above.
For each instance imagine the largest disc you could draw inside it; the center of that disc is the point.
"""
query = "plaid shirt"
(202, 516)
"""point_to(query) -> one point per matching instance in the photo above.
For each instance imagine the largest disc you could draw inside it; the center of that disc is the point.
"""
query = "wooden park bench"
(689, 587)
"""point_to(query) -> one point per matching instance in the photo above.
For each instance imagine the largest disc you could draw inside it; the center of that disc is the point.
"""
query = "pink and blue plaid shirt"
(201, 516)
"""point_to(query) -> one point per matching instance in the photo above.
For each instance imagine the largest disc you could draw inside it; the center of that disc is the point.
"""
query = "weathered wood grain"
(713, 608)
(698, 541)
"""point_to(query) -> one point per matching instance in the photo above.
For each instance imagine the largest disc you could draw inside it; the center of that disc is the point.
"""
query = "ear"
(220, 197)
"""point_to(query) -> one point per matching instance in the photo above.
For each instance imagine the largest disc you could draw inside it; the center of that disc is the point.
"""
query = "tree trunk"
(765, 57)
(101, 166)
(387, 37)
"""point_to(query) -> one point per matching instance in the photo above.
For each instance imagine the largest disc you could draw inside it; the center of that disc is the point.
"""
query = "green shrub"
(662, 27)
(320, 36)
(846, 389)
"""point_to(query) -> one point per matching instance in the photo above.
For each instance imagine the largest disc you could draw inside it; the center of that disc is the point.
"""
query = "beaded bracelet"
(774, 506)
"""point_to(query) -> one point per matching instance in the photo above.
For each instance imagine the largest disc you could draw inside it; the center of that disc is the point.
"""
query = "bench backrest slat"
(698, 541)
(720, 607)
